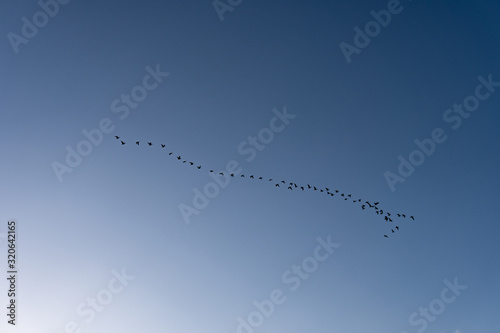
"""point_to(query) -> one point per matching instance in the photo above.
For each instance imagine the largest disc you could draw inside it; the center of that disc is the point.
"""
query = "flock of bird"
(375, 206)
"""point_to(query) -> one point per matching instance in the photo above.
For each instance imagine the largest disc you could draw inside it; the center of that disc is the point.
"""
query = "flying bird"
(397, 228)
(251, 176)
(277, 185)
(149, 143)
(199, 166)
(412, 218)
(386, 236)
(117, 137)
(178, 157)
(137, 142)
(162, 145)
(122, 142)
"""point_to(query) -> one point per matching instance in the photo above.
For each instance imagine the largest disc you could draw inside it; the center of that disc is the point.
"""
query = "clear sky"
(103, 245)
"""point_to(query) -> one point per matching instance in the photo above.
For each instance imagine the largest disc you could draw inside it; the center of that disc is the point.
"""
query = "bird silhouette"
(117, 137)
(363, 206)
(399, 215)
(308, 186)
(412, 218)
(289, 187)
(170, 153)
(277, 185)
(199, 166)
(211, 170)
(137, 142)
(326, 188)
(386, 236)
(232, 175)
(392, 230)
(403, 215)
(191, 163)
(162, 145)
(397, 228)
(242, 176)
(149, 143)
(251, 176)
(302, 188)
(122, 143)
(221, 173)
(386, 218)
(315, 188)
(260, 178)
(376, 203)
(178, 157)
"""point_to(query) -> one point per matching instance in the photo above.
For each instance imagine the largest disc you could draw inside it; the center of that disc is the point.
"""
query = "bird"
(390, 219)
(199, 166)
(376, 203)
(342, 195)
(349, 195)
(260, 178)
(149, 143)
(302, 188)
(270, 179)
(122, 143)
(315, 188)
(117, 137)
(308, 186)
(399, 215)
(162, 145)
(184, 161)
(363, 206)
(326, 188)
(137, 142)
(251, 176)
(388, 214)
(412, 218)
(232, 175)
(386, 236)
(211, 170)
(289, 187)
(397, 228)
(381, 211)
(392, 230)
(403, 215)
(178, 157)
(170, 153)
(277, 185)
(386, 218)
(283, 181)
(191, 163)
(221, 173)
(242, 176)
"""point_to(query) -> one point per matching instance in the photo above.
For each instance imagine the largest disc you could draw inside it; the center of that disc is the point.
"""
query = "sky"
(391, 102)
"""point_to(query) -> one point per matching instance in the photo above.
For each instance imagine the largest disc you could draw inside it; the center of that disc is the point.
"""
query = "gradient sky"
(120, 207)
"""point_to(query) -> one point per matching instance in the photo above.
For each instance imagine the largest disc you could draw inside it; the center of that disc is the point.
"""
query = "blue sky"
(117, 213)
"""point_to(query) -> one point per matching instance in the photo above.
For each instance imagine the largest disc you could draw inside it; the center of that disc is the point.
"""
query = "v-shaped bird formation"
(292, 186)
